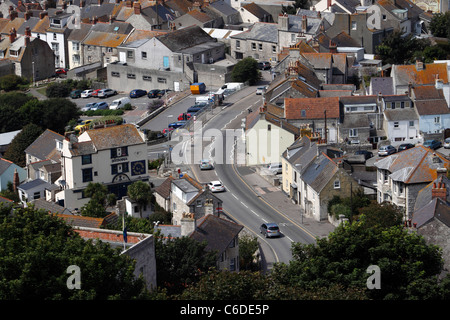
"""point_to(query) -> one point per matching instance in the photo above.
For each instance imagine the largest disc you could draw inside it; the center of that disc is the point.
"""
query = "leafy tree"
(96, 207)
(298, 4)
(440, 25)
(16, 150)
(181, 262)
(399, 49)
(247, 248)
(57, 112)
(36, 250)
(384, 215)
(58, 90)
(246, 70)
(12, 82)
(139, 191)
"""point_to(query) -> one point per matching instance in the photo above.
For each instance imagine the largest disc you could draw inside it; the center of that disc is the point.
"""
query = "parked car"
(119, 103)
(87, 93)
(270, 230)
(153, 93)
(184, 116)
(100, 106)
(432, 144)
(260, 90)
(205, 165)
(95, 93)
(167, 131)
(83, 124)
(386, 150)
(136, 93)
(447, 143)
(76, 94)
(88, 106)
(264, 65)
(161, 93)
(61, 71)
(177, 124)
(405, 146)
(195, 109)
(276, 168)
(367, 154)
(216, 186)
(105, 93)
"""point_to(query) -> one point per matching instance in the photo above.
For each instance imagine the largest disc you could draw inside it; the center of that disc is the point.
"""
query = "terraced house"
(114, 156)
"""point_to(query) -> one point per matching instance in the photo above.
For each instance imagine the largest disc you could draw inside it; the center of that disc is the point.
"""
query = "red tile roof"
(314, 108)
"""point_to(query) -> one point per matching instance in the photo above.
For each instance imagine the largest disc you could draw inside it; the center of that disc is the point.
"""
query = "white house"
(114, 156)
(33, 190)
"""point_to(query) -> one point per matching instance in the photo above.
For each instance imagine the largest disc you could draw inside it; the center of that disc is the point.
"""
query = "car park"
(105, 93)
(205, 164)
(216, 186)
(100, 106)
(88, 106)
(405, 146)
(367, 154)
(87, 93)
(153, 93)
(447, 143)
(432, 144)
(136, 93)
(264, 65)
(83, 124)
(270, 230)
(76, 94)
(386, 150)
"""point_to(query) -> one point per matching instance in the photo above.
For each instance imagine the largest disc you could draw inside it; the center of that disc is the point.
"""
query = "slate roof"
(405, 74)
(4, 164)
(356, 120)
(424, 196)
(78, 34)
(420, 162)
(50, 207)
(352, 100)
(44, 147)
(256, 10)
(261, 31)
(164, 188)
(33, 184)
(383, 85)
(185, 38)
(319, 172)
(400, 114)
(430, 101)
(113, 137)
(104, 39)
(314, 108)
(82, 148)
(217, 232)
(80, 221)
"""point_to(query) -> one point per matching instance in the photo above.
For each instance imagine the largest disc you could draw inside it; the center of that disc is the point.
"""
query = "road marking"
(290, 239)
(244, 204)
(235, 196)
(255, 213)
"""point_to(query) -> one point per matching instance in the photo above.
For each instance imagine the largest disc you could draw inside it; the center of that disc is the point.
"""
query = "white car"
(446, 144)
(216, 186)
(87, 93)
(260, 90)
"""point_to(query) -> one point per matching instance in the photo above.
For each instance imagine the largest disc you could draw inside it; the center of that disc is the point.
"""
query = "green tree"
(181, 262)
(383, 215)
(58, 90)
(96, 207)
(16, 150)
(440, 25)
(248, 247)
(139, 191)
(57, 112)
(12, 82)
(36, 251)
(246, 70)
(399, 49)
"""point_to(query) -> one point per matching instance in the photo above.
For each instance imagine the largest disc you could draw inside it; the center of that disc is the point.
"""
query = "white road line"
(290, 239)
(235, 196)
(244, 204)
(255, 213)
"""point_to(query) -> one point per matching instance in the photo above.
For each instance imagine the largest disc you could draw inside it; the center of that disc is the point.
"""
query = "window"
(337, 184)
(76, 58)
(274, 49)
(86, 159)
(115, 74)
(354, 25)
(36, 195)
(162, 80)
(198, 203)
(396, 125)
(87, 174)
(119, 152)
(146, 78)
(131, 76)
(232, 264)
(144, 55)
(119, 168)
(75, 46)
(260, 47)
(411, 123)
(109, 50)
(353, 133)
(238, 44)
(269, 127)
(130, 54)
(253, 46)
(437, 119)
(14, 53)
(303, 113)
(54, 36)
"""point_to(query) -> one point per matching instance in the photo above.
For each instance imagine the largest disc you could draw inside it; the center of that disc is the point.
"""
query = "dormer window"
(14, 53)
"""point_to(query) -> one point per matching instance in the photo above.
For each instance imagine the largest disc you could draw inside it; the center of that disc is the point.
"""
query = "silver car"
(386, 150)
(270, 230)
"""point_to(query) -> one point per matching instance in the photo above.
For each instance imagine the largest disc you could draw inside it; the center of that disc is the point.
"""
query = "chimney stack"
(28, 31)
(27, 15)
(333, 47)
(27, 41)
(43, 14)
(137, 8)
(304, 23)
(188, 224)
(439, 190)
(12, 35)
(16, 180)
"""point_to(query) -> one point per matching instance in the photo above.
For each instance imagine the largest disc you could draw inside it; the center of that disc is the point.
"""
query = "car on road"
(270, 230)
(87, 93)
(161, 93)
(153, 93)
(95, 93)
(88, 106)
(405, 146)
(166, 131)
(205, 164)
(100, 106)
(264, 65)
(260, 90)
(136, 93)
(432, 144)
(216, 186)
(177, 124)
(105, 93)
(367, 154)
(386, 150)
(184, 116)
(83, 124)
(447, 143)
(74, 94)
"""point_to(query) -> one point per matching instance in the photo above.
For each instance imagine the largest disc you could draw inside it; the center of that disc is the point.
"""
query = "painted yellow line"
(281, 213)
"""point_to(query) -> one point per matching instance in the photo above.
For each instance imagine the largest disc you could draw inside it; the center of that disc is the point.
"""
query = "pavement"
(279, 201)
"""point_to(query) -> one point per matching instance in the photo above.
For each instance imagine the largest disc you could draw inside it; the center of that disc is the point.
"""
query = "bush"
(58, 90)
(12, 82)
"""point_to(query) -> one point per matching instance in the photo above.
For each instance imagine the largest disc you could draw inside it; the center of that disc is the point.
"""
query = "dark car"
(365, 153)
(432, 144)
(177, 124)
(194, 109)
(161, 93)
(405, 146)
(264, 65)
(76, 94)
(136, 93)
(270, 230)
(153, 93)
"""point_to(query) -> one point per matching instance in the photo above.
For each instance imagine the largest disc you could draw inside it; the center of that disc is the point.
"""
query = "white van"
(119, 103)
(276, 167)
